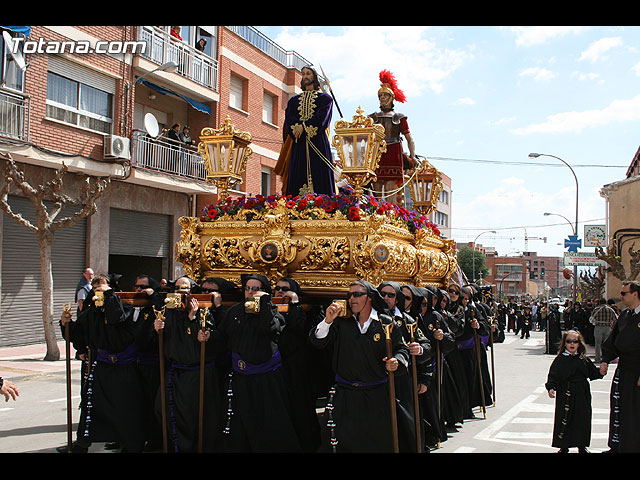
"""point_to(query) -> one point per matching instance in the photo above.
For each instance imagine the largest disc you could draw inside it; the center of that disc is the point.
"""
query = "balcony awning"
(24, 30)
(201, 107)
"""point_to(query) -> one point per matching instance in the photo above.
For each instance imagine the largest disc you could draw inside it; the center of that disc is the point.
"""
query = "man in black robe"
(420, 352)
(360, 412)
(258, 413)
(112, 403)
(623, 343)
(298, 363)
(184, 331)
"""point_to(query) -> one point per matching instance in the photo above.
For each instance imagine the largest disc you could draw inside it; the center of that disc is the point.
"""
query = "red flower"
(302, 204)
(380, 210)
(318, 201)
(373, 202)
(353, 213)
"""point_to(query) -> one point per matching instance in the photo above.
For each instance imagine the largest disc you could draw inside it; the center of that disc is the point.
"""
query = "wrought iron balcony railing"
(192, 64)
(15, 116)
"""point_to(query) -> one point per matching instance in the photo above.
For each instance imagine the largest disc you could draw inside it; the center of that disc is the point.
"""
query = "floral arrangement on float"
(312, 206)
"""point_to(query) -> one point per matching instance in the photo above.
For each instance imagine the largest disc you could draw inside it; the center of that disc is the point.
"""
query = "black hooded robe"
(297, 351)
(624, 343)
(112, 396)
(360, 411)
(569, 376)
(258, 414)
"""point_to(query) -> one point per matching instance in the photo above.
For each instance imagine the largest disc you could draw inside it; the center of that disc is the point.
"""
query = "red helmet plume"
(390, 85)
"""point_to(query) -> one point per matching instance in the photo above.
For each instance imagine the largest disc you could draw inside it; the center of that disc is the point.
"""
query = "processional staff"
(387, 327)
(203, 317)
(66, 311)
(476, 338)
(416, 405)
(163, 401)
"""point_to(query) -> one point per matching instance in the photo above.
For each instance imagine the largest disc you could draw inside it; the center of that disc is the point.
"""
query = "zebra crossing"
(524, 423)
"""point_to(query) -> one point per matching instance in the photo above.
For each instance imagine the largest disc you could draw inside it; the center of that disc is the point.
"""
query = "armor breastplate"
(391, 123)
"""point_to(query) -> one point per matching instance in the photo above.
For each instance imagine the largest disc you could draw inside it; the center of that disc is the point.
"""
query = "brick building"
(90, 111)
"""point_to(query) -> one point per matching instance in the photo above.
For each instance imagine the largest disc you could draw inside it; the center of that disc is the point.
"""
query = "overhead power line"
(537, 164)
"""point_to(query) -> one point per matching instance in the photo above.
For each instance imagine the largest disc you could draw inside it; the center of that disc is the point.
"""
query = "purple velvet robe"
(315, 114)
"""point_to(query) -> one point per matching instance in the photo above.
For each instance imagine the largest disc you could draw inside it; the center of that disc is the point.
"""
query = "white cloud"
(597, 49)
(539, 74)
(618, 111)
(354, 58)
(465, 101)
(530, 36)
(636, 69)
(581, 76)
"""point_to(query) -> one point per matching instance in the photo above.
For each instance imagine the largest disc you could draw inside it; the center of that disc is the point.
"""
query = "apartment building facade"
(94, 112)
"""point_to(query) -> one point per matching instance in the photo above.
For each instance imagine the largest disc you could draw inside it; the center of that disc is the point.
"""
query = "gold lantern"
(359, 146)
(225, 151)
(425, 186)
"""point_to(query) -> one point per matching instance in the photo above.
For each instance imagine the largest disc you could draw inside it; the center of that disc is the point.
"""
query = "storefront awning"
(23, 30)
(201, 107)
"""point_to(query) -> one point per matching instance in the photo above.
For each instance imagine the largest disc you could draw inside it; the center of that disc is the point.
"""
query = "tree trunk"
(53, 352)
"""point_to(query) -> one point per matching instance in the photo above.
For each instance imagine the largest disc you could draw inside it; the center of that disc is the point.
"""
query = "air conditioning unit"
(116, 147)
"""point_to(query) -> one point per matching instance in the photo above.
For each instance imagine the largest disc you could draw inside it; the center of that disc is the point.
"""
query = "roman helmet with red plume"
(390, 86)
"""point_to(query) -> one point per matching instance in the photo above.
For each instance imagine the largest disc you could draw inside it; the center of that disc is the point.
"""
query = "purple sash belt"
(470, 342)
(183, 366)
(125, 357)
(356, 383)
(148, 358)
(246, 368)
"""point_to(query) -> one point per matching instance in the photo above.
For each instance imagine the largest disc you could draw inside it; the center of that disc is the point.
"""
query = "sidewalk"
(18, 362)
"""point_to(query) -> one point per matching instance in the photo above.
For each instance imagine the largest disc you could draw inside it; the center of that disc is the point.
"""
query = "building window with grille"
(236, 93)
(78, 104)
(268, 109)
(266, 181)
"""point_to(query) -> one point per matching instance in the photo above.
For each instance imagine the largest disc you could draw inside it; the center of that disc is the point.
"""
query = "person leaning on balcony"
(185, 136)
(175, 33)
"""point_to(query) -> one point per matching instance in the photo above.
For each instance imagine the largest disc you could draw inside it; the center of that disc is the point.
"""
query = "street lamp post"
(473, 254)
(575, 228)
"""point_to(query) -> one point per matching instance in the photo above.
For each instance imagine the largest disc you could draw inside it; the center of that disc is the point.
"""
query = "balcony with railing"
(288, 58)
(164, 155)
(192, 64)
(14, 116)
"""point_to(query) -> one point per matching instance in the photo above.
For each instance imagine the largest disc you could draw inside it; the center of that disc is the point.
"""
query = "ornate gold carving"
(188, 247)
(328, 253)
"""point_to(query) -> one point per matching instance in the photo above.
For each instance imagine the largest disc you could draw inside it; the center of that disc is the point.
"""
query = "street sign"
(595, 235)
(582, 259)
(573, 243)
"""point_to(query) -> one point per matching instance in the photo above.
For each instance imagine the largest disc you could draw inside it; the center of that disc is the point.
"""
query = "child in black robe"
(568, 383)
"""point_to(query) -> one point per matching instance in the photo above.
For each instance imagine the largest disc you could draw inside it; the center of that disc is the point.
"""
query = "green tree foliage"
(466, 259)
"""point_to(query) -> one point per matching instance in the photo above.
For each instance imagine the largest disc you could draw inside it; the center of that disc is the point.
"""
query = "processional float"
(323, 242)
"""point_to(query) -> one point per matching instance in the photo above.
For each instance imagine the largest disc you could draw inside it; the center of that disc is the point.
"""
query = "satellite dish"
(10, 46)
(151, 125)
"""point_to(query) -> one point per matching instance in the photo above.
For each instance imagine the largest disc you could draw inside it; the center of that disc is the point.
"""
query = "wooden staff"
(203, 313)
(416, 405)
(477, 342)
(493, 372)
(163, 400)
(67, 309)
(439, 378)
(392, 389)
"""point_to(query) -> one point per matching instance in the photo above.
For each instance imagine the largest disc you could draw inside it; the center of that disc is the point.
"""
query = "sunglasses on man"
(356, 294)
(283, 289)
(142, 287)
(252, 289)
(388, 294)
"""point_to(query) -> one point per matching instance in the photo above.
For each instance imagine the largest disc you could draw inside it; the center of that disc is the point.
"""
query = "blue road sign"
(573, 243)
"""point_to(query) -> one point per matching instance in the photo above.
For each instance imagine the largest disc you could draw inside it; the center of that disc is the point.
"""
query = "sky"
(481, 98)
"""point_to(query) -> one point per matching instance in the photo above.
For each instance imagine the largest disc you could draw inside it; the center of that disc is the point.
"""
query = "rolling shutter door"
(139, 233)
(21, 302)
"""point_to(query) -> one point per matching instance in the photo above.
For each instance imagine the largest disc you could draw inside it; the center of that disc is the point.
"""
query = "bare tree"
(614, 261)
(592, 283)
(47, 223)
